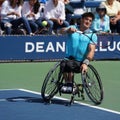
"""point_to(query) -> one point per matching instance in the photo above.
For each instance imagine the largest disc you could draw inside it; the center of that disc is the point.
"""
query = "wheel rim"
(51, 83)
(93, 85)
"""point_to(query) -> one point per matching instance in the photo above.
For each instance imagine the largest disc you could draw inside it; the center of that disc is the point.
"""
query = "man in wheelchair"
(80, 49)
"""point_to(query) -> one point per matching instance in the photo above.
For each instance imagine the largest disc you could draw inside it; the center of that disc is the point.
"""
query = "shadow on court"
(25, 105)
(36, 100)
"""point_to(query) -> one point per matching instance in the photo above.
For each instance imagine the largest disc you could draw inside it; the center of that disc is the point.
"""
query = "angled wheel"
(93, 85)
(51, 83)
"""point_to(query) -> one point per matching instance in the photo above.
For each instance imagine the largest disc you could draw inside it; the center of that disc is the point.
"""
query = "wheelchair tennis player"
(80, 49)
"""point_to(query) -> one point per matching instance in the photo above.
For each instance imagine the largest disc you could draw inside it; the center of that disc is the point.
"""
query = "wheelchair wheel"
(51, 83)
(93, 85)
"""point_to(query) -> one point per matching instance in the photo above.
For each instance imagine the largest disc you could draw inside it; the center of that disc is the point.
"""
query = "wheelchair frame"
(91, 83)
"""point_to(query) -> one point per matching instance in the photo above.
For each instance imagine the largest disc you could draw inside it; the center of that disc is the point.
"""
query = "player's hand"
(71, 30)
(84, 68)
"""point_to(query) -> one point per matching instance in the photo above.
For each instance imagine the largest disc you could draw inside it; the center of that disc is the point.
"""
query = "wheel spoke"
(93, 85)
(51, 83)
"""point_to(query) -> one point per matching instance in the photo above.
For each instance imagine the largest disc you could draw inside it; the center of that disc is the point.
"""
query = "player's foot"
(67, 88)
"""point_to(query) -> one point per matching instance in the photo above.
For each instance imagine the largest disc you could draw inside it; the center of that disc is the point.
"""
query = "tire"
(93, 85)
(51, 83)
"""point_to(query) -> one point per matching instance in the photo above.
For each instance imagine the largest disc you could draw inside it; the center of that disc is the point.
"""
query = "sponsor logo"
(41, 47)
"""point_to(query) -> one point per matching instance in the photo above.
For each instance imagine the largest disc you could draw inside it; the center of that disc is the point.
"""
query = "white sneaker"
(67, 88)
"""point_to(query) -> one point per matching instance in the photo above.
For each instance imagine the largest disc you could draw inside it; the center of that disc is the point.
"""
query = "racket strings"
(106, 41)
(103, 42)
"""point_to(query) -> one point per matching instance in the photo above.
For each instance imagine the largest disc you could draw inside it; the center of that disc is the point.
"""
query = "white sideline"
(96, 107)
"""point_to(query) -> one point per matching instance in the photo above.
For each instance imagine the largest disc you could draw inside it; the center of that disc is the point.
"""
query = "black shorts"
(70, 66)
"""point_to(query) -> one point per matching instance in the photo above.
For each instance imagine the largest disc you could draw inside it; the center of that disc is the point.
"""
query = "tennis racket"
(105, 40)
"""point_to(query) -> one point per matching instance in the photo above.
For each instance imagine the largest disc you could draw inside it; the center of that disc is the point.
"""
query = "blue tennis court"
(22, 104)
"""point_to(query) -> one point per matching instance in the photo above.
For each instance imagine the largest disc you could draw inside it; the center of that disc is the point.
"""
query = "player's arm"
(91, 51)
(66, 30)
(89, 57)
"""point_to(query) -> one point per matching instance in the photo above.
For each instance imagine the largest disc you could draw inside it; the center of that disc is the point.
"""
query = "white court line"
(4, 100)
(100, 108)
(8, 89)
(88, 105)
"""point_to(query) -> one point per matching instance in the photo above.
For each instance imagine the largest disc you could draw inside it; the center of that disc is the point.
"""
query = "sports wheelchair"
(89, 82)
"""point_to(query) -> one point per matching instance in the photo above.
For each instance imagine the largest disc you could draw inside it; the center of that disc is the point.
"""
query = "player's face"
(86, 22)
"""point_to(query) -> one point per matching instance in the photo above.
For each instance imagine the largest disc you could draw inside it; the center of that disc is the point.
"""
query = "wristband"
(86, 61)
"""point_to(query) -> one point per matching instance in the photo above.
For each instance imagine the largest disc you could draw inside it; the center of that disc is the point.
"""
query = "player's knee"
(62, 65)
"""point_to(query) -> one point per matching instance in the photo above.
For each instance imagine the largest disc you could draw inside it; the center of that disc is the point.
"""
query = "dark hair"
(36, 6)
(20, 2)
(104, 9)
(88, 14)
(101, 7)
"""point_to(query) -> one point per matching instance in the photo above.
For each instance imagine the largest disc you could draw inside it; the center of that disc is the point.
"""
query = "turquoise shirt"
(77, 44)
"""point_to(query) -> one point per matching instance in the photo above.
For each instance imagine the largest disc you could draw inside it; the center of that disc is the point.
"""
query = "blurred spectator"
(1, 1)
(31, 10)
(118, 0)
(55, 15)
(66, 1)
(101, 23)
(69, 10)
(113, 11)
(74, 14)
(80, 11)
(11, 16)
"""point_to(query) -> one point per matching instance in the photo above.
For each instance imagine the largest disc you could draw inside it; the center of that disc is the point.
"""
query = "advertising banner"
(52, 47)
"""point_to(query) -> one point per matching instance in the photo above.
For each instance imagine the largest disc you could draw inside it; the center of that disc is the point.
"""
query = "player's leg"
(67, 86)
(68, 67)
